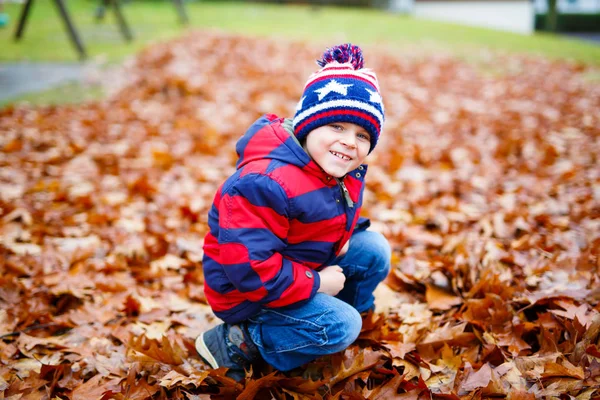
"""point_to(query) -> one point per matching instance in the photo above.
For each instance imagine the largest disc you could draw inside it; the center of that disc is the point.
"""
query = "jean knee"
(344, 327)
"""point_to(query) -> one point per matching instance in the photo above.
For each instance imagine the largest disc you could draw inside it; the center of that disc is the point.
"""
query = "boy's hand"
(332, 280)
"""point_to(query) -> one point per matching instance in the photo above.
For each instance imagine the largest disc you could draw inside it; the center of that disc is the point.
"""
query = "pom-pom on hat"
(341, 91)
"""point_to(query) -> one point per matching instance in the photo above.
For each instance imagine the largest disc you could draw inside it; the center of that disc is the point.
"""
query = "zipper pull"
(346, 194)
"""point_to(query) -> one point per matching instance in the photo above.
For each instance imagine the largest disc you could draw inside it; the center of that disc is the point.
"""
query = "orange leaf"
(94, 389)
(439, 299)
(162, 351)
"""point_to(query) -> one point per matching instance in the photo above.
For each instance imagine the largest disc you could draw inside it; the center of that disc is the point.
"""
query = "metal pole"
(71, 29)
(183, 18)
(23, 19)
(121, 20)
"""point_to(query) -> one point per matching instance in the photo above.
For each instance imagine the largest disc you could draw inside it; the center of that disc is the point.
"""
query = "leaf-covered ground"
(486, 182)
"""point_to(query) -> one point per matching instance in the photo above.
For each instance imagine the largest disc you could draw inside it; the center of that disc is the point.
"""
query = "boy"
(288, 265)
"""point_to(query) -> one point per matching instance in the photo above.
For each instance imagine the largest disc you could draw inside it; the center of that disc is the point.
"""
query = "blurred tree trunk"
(551, 16)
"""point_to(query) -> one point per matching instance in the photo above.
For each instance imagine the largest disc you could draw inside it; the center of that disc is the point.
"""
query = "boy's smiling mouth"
(340, 155)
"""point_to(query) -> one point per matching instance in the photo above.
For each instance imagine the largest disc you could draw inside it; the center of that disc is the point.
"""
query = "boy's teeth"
(343, 157)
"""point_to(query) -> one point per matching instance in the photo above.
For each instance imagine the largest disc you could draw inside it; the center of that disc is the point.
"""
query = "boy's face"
(338, 147)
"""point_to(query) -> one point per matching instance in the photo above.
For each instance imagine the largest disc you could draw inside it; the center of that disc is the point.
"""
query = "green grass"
(45, 38)
(68, 93)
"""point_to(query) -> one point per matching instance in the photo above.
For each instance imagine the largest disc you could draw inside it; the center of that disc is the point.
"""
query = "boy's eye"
(363, 136)
(337, 127)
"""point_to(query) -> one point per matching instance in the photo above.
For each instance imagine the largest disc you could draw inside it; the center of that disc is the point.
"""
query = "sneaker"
(228, 346)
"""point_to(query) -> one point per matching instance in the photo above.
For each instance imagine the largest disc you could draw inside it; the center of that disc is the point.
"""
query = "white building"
(569, 6)
(509, 15)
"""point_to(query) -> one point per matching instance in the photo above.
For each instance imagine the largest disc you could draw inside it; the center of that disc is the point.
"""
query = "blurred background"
(67, 48)
(118, 122)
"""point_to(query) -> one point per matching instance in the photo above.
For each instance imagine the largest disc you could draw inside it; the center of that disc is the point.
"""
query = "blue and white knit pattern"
(341, 91)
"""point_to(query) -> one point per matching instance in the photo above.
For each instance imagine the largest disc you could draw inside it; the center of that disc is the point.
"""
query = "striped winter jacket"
(275, 221)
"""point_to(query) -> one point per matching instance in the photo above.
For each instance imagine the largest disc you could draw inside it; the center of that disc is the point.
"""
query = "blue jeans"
(291, 336)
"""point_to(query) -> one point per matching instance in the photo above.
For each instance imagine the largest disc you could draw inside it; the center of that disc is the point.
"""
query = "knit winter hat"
(341, 91)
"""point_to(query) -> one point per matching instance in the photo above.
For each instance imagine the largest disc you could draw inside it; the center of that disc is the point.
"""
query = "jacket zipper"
(345, 193)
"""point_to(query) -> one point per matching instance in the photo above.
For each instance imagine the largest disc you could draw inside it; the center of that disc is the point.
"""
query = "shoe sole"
(204, 353)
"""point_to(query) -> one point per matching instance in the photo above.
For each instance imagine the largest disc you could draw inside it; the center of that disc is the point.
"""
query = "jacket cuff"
(316, 284)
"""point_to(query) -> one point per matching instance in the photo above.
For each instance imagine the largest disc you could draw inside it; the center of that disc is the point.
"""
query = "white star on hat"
(375, 96)
(299, 105)
(333, 86)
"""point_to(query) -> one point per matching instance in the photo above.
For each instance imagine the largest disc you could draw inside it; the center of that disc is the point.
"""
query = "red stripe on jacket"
(248, 215)
(295, 291)
(296, 184)
(330, 230)
(218, 302)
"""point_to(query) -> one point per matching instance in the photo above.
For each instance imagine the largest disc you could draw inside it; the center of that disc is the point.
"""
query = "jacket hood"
(271, 137)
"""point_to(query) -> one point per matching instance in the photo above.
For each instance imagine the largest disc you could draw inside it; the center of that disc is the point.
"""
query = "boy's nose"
(349, 140)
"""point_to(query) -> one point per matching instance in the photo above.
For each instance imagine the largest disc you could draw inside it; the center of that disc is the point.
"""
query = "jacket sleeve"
(253, 228)
(362, 225)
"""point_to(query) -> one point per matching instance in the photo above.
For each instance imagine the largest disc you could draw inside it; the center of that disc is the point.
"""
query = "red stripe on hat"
(371, 74)
(330, 67)
(338, 112)
(350, 76)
